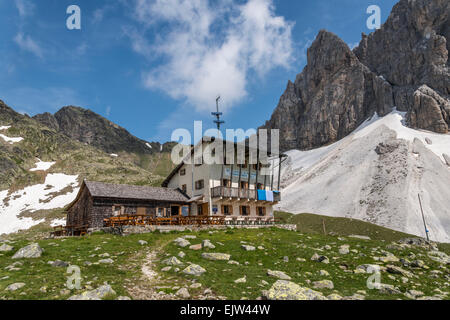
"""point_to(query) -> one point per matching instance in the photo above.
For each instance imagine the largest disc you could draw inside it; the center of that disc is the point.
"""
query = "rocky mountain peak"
(402, 65)
(48, 120)
(7, 114)
(91, 128)
(329, 52)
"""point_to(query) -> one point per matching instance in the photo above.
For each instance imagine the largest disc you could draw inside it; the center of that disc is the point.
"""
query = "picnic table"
(140, 220)
(69, 230)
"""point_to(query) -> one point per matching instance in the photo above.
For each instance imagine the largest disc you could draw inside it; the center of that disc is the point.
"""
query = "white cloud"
(108, 111)
(25, 7)
(211, 49)
(138, 42)
(28, 44)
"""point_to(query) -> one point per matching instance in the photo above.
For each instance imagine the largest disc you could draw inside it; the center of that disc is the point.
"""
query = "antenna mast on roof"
(217, 114)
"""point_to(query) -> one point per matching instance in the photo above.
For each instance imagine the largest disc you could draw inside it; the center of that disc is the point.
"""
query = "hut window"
(200, 184)
(261, 211)
(182, 172)
(227, 183)
(227, 210)
(184, 188)
(151, 211)
(245, 210)
(117, 210)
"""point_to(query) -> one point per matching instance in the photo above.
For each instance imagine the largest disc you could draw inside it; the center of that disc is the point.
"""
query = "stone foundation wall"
(126, 230)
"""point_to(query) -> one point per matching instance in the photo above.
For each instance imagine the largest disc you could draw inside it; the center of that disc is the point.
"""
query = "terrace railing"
(251, 194)
(137, 220)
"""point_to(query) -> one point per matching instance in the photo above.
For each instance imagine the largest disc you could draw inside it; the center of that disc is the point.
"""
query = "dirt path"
(147, 286)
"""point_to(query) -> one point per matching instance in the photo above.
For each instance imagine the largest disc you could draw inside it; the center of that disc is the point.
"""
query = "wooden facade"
(96, 202)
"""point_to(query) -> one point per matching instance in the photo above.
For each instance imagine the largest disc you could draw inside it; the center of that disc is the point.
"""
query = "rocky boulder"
(196, 247)
(278, 274)
(241, 280)
(207, 244)
(320, 258)
(172, 261)
(6, 248)
(323, 284)
(194, 270)
(216, 256)
(181, 242)
(183, 293)
(15, 286)
(397, 270)
(344, 249)
(58, 263)
(31, 251)
(96, 294)
(287, 290)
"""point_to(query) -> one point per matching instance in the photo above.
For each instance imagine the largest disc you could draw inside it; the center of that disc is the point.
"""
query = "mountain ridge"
(86, 126)
(41, 138)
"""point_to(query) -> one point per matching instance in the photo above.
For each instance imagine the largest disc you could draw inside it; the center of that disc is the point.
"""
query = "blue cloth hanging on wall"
(262, 195)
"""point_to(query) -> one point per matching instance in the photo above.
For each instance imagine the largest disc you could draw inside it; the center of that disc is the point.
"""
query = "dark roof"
(124, 191)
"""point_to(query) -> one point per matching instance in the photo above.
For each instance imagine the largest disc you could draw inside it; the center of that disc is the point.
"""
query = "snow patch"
(8, 139)
(148, 145)
(114, 155)
(58, 222)
(11, 140)
(34, 198)
(349, 179)
(306, 159)
(395, 121)
(42, 166)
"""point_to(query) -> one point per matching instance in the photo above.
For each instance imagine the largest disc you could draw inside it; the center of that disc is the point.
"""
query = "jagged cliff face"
(404, 64)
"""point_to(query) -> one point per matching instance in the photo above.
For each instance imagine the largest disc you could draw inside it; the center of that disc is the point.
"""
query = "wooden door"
(205, 209)
(175, 211)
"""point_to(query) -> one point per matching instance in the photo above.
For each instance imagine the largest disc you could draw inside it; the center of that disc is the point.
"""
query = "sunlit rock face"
(404, 64)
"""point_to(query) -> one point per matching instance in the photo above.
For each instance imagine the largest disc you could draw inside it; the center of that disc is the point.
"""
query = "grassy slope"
(129, 257)
(313, 223)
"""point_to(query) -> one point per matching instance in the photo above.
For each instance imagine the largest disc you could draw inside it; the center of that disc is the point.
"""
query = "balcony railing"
(250, 194)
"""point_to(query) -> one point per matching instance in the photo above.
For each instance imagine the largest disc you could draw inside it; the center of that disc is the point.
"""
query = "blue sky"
(154, 66)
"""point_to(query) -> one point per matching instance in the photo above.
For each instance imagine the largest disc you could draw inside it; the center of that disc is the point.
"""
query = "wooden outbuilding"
(97, 201)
